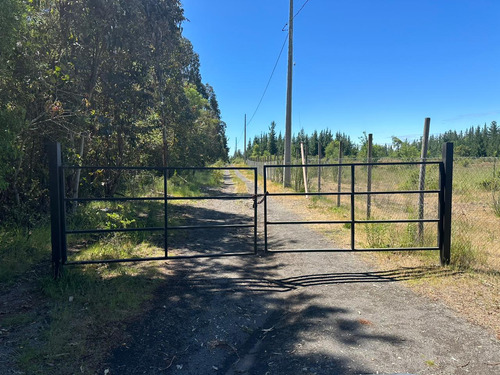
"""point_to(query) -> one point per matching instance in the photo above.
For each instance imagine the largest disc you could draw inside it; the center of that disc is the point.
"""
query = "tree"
(114, 81)
(404, 150)
(273, 147)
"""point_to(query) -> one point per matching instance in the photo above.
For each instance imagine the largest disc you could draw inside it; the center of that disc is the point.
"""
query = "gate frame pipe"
(446, 201)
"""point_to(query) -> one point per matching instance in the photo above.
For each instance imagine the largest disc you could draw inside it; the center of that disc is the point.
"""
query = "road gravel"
(293, 313)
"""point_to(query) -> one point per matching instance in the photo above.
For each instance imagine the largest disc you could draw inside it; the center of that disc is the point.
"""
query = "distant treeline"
(477, 141)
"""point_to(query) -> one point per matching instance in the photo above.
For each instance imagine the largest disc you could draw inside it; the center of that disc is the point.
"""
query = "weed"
(490, 184)
(376, 235)
(495, 196)
(464, 255)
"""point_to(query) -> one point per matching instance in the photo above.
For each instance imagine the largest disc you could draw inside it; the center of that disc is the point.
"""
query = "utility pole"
(287, 176)
(245, 140)
(236, 147)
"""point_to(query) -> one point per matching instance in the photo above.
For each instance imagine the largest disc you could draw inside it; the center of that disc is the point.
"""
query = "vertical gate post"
(55, 193)
(165, 207)
(446, 186)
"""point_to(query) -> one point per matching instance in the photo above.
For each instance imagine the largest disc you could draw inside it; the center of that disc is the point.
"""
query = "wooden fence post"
(421, 178)
(369, 179)
(304, 168)
(339, 176)
(319, 168)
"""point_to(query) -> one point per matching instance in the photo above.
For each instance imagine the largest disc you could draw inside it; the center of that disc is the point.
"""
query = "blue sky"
(379, 66)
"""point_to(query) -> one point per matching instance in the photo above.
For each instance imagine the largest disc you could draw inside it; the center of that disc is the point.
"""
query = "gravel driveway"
(294, 313)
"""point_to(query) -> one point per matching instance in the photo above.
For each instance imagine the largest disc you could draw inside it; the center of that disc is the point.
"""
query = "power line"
(276, 63)
(269, 81)
(296, 14)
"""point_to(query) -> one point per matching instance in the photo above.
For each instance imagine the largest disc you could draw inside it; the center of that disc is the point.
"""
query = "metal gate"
(58, 203)
(443, 222)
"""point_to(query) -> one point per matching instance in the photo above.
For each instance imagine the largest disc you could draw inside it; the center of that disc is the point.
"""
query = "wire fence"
(475, 204)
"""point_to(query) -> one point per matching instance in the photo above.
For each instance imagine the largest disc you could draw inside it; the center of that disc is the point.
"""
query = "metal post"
(62, 208)
(369, 179)
(55, 163)
(446, 186)
(265, 209)
(165, 216)
(353, 206)
(255, 191)
(421, 178)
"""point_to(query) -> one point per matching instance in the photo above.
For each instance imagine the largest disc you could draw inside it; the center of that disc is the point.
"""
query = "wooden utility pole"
(421, 177)
(288, 125)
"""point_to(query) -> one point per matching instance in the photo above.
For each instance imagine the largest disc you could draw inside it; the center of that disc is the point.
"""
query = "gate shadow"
(237, 316)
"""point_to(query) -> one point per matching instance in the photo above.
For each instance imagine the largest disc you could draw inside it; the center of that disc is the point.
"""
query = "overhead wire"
(296, 14)
(269, 80)
(276, 63)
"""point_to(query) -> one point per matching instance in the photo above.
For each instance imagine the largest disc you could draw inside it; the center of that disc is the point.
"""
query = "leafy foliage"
(114, 81)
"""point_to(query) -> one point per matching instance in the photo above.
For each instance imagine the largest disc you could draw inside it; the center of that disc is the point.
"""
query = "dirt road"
(301, 313)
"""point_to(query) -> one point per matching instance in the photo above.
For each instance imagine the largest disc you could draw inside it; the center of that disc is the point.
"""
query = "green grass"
(83, 314)
(21, 249)
(87, 310)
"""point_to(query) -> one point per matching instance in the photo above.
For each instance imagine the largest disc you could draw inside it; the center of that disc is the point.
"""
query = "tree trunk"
(76, 181)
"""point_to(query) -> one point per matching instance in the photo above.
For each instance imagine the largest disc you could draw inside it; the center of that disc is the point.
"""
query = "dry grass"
(473, 288)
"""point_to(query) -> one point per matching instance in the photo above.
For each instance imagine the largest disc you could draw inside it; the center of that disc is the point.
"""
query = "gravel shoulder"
(293, 313)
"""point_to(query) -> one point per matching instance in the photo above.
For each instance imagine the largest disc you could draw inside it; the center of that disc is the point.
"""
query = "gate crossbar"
(444, 205)
(58, 212)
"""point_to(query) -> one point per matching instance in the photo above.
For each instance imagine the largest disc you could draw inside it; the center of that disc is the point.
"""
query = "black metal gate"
(58, 202)
(443, 222)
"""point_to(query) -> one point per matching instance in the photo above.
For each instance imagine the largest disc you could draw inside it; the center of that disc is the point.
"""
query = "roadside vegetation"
(126, 95)
(69, 325)
(471, 284)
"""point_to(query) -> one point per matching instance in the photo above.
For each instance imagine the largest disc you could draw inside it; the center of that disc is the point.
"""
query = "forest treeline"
(114, 81)
(478, 141)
